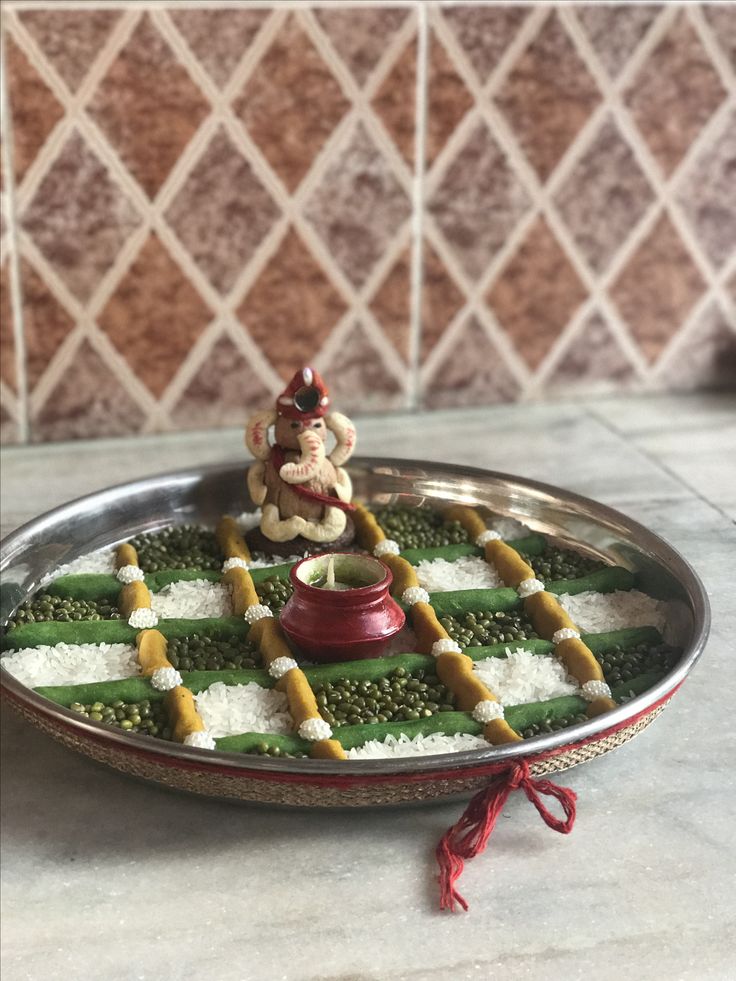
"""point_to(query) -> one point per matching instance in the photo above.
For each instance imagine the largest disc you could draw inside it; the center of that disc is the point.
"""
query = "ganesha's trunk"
(309, 464)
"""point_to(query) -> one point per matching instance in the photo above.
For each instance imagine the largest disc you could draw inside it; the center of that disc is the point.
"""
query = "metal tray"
(32, 553)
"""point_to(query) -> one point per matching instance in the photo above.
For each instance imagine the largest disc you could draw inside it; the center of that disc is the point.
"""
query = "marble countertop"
(107, 878)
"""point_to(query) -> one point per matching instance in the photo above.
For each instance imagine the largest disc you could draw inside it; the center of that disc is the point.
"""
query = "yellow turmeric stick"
(546, 614)
(133, 596)
(427, 627)
(242, 589)
(467, 517)
(230, 540)
(184, 718)
(152, 651)
(509, 564)
(403, 572)
(268, 637)
(327, 749)
(125, 554)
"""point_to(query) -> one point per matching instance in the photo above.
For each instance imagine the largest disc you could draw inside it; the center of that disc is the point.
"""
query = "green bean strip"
(604, 581)
(127, 689)
(86, 586)
(52, 632)
(627, 638)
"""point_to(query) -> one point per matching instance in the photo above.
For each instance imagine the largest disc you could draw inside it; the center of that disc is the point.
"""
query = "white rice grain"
(468, 572)
(228, 710)
(524, 677)
(509, 529)
(101, 561)
(192, 600)
(429, 745)
(595, 613)
(72, 664)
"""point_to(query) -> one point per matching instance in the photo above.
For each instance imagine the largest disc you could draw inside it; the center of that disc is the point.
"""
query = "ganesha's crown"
(305, 397)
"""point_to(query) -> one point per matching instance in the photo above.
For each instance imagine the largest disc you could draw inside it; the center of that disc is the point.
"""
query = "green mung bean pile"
(268, 749)
(621, 665)
(419, 528)
(400, 696)
(198, 652)
(45, 607)
(274, 593)
(147, 718)
(180, 547)
(555, 563)
(552, 725)
(481, 628)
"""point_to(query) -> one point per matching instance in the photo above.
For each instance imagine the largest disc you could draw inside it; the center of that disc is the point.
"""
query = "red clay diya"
(341, 609)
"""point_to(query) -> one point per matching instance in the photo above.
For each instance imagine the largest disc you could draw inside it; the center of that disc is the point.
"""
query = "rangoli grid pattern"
(451, 205)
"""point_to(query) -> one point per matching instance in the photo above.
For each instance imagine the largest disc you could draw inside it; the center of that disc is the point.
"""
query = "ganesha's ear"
(256, 433)
(344, 431)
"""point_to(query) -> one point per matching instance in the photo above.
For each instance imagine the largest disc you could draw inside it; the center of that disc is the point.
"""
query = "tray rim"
(348, 771)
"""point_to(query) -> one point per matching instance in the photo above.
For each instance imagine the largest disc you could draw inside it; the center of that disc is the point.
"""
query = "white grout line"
(417, 249)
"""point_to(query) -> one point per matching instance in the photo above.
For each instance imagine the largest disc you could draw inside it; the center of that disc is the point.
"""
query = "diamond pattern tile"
(45, 322)
(593, 355)
(441, 300)
(358, 206)
(478, 202)
(34, 109)
(473, 372)
(484, 33)
(79, 217)
(70, 39)
(674, 94)
(547, 97)
(536, 294)
(154, 316)
(360, 35)
(722, 19)
(224, 390)
(148, 107)
(604, 197)
(222, 212)
(657, 289)
(707, 359)
(391, 304)
(219, 38)
(294, 86)
(708, 195)
(89, 401)
(616, 30)
(7, 337)
(359, 378)
(292, 307)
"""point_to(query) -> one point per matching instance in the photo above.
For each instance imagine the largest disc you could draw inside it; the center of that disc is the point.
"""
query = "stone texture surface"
(222, 212)
(219, 38)
(536, 294)
(70, 39)
(604, 196)
(45, 323)
(7, 339)
(79, 217)
(360, 35)
(292, 307)
(707, 357)
(615, 30)
(359, 378)
(593, 355)
(294, 86)
(34, 109)
(548, 96)
(722, 18)
(484, 33)
(148, 107)
(391, 304)
(657, 288)
(674, 94)
(441, 300)
(154, 316)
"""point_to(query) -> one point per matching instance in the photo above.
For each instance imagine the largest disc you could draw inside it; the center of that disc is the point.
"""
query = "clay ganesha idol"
(302, 489)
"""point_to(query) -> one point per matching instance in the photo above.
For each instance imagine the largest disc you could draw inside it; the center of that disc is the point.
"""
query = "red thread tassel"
(470, 835)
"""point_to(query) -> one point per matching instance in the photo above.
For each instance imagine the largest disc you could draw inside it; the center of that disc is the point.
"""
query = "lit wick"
(329, 580)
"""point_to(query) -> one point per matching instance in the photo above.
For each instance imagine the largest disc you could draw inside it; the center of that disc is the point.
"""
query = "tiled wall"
(435, 204)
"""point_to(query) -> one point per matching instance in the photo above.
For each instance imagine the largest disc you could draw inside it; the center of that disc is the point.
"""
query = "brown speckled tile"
(224, 390)
(222, 212)
(478, 202)
(7, 335)
(70, 39)
(79, 217)
(722, 18)
(391, 304)
(358, 377)
(441, 300)
(154, 316)
(657, 288)
(674, 94)
(473, 372)
(593, 355)
(34, 109)
(536, 294)
(360, 35)
(707, 359)
(615, 30)
(447, 101)
(293, 85)
(547, 97)
(45, 322)
(219, 38)
(708, 195)
(484, 33)
(87, 402)
(604, 197)
(358, 206)
(148, 106)
(292, 307)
